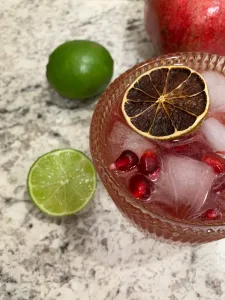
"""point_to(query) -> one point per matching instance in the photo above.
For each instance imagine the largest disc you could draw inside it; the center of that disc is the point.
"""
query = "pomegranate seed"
(195, 149)
(140, 187)
(215, 161)
(125, 162)
(149, 164)
(211, 214)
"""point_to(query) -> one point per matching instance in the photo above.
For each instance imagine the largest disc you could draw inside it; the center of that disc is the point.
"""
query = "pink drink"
(184, 169)
(176, 185)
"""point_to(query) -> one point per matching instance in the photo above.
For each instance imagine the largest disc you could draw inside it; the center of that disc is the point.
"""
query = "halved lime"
(62, 182)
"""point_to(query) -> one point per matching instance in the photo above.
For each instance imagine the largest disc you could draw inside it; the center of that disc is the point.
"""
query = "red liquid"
(183, 184)
(168, 222)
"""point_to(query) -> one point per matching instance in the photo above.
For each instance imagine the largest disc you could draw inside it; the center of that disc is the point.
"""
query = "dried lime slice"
(166, 102)
(61, 182)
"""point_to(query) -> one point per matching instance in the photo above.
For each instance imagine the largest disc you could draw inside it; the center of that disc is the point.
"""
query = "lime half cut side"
(62, 182)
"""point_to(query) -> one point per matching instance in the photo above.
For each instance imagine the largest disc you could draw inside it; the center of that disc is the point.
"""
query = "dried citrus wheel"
(166, 102)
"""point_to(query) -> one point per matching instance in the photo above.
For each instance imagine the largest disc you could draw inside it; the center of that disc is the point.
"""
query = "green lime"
(61, 182)
(79, 69)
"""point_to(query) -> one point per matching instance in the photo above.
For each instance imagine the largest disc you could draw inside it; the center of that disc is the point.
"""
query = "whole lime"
(79, 69)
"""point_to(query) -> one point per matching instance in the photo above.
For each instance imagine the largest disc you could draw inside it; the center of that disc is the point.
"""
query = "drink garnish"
(166, 102)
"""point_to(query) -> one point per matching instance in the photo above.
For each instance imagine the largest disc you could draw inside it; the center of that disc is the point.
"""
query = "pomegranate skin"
(186, 25)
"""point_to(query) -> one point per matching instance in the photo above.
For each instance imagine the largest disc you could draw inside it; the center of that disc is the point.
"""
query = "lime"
(61, 182)
(166, 102)
(79, 69)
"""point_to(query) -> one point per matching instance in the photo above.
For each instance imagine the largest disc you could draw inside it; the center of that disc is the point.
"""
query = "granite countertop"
(96, 255)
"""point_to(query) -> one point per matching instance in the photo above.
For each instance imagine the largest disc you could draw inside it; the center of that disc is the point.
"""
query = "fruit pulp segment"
(182, 173)
(61, 182)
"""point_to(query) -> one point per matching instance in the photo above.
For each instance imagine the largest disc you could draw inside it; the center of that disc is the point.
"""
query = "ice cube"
(123, 138)
(184, 183)
(216, 87)
(214, 133)
(216, 196)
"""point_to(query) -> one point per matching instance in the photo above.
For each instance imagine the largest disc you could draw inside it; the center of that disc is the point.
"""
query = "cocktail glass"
(147, 220)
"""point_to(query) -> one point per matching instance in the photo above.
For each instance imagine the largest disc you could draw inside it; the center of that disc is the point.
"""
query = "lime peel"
(79, 69)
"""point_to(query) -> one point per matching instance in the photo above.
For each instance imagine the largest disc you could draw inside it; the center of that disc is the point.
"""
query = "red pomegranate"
(186, 25)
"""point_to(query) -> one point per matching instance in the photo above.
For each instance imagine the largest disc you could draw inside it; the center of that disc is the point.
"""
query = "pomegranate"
(140, 187)
(186, 25)
(127, 161)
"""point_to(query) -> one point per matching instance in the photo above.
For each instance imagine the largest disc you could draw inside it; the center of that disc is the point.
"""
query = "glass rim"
(120, 84)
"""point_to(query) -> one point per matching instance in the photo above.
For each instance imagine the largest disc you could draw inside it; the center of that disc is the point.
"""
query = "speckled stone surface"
(96, 255)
